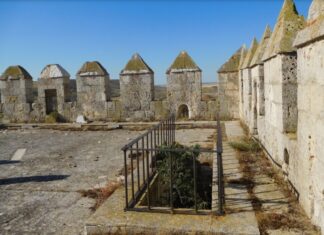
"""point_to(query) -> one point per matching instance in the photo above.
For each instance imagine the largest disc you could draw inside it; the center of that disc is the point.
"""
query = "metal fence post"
(125, 174)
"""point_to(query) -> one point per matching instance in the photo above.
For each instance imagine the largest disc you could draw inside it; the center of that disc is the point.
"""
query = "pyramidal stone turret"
(232, 65)
(136, 65)
(92, 89)
(53, 89)
(184, 87)
(257, 58)
(288, 24)
(137, 88)
(250, 54)
(16, 85)
(183, 63)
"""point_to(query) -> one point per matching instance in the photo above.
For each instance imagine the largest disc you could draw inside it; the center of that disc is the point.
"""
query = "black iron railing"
(140, 161)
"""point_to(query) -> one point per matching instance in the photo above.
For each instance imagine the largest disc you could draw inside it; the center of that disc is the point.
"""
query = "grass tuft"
(246, 145)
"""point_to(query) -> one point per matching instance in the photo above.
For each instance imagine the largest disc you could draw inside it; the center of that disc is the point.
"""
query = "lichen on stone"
(257, 58)
(183, 62)
(250, 54)
(136, 64)
(92, 68)
(232, 65)
(15, 72)
(288, 24)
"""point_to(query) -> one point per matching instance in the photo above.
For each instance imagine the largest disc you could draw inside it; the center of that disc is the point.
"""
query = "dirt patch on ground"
(101, 194)
(275, 205)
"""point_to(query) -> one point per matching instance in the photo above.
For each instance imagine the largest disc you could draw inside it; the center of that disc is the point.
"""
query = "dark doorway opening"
(183, 112)
(51, 100)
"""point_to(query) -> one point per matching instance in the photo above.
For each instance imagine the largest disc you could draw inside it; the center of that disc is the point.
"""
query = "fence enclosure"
(140, 168)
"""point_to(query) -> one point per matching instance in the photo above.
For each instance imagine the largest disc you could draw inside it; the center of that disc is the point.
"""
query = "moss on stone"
(250, 54)
(93, 67)
(257, 58)
(15, 72)
(232, 64)
(136, 64)
(285, 31)
(52, 117)
(183, 62)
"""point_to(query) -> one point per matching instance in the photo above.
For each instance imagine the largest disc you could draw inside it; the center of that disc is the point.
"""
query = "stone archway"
(183, 112)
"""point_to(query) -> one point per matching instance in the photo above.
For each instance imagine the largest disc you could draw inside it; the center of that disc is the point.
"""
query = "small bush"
(52, 117)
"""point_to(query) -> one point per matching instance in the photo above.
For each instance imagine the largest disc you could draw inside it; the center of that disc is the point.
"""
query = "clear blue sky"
(36, 33)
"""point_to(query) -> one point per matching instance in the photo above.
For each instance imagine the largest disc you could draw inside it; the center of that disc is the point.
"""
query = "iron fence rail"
(144, 149)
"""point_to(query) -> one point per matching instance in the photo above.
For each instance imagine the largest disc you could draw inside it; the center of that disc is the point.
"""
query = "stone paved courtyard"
(39, 193)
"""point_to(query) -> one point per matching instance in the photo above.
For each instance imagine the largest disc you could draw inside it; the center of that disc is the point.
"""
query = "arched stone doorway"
(183, 112)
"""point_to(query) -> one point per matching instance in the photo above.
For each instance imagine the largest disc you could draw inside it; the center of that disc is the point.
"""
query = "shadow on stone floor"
(37, 178)
(3, 162)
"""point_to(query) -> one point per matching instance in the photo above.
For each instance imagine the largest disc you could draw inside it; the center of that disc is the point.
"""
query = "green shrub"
(246, 145)
(182, 178)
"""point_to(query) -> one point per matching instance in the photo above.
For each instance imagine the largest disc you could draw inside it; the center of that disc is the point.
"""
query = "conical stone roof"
(54, 71)
(92, 68)
(136, 65)
(285, 31)
(15, 72)
(244, 52)
(257, 58)
(183, 62)
(250, 54)
(232, 65)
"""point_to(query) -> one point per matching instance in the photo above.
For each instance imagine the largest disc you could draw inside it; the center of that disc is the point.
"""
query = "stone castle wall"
(282, 103)
(93, 92)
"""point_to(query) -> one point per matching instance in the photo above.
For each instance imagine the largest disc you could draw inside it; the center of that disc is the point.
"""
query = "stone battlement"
(93, 95)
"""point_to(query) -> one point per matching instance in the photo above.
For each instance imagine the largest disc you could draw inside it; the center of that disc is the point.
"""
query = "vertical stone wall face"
(92, 96)
(137, 92)
(228, 95)
(310, 131)
(246, 104)
(241, 95)
(184, 88)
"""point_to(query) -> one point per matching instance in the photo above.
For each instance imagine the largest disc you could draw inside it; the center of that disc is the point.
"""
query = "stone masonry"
(184, 86)
(16, 86)
(281, 101)
(53, 89)
(93, 90)
(137, 88)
